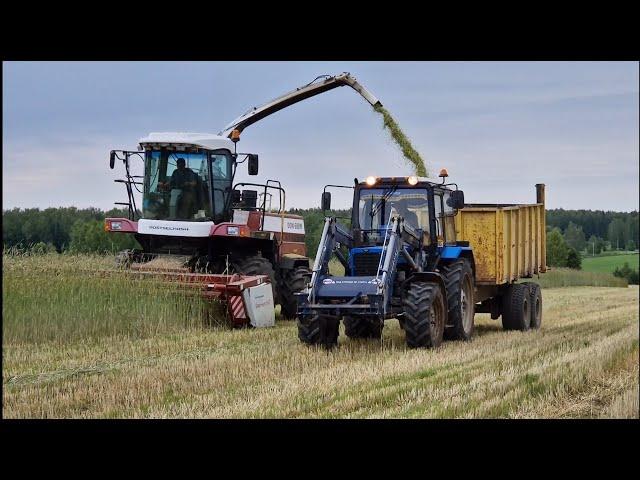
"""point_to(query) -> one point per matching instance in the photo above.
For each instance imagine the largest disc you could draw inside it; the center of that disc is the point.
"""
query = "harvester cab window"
(176, 186)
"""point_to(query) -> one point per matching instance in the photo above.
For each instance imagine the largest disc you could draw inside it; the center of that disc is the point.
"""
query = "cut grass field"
(66, 353)
(608, 263)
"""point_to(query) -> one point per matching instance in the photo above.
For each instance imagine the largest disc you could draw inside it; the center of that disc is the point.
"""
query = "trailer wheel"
(516, 313)
(458, 278)
(319, 330)
(536, 304)
(359, 327)
(424, 315)
(292, 281)
(255, 264)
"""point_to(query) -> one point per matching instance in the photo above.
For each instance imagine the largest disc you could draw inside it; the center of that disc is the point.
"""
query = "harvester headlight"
(233, 231)
(371, 181)
(116, 225)
(412, 180)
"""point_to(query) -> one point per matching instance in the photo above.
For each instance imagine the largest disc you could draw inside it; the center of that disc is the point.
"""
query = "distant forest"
(81, 230)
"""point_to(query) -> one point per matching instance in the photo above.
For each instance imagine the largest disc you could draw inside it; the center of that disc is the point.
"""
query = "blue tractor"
(401, 260)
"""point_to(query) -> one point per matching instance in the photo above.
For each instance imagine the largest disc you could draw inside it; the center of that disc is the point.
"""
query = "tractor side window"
(449, 219)
(437, 204)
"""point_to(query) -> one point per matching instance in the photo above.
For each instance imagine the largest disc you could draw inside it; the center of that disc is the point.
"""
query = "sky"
(498, 127)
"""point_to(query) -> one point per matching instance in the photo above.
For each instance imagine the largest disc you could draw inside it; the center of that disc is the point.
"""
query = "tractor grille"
(366, 264)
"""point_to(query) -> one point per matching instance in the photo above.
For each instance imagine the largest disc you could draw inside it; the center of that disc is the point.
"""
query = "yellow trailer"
(509, 243)
(508, 240)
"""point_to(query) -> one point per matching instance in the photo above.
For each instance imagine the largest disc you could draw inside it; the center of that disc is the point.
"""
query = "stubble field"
(79, 345)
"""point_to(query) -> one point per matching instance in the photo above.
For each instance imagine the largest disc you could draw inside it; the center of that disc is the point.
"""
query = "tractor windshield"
(177, 185)
(377, 205)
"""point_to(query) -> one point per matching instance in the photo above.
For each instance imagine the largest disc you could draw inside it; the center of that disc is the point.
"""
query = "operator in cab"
(186, 180)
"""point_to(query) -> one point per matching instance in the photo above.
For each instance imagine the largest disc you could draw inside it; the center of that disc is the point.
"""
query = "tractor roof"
(209, 141)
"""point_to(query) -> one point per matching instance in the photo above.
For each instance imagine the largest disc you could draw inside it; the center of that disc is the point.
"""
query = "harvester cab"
(397, 256)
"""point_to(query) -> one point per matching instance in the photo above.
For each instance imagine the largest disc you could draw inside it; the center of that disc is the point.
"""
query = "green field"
(608, 263)
(79, 344)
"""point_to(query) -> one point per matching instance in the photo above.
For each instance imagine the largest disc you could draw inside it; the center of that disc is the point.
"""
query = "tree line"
(81, 230)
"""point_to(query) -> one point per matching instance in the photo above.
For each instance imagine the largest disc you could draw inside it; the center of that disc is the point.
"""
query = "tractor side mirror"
(235, 197)
(253, 164)
(112, 159)
(326, 201)
(249, 198)
(456, 199)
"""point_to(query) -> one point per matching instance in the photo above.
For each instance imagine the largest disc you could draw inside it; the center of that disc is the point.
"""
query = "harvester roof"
(203, 140)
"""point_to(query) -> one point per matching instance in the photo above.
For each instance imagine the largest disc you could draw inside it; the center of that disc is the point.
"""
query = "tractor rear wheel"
(359, 327)
(458, 278)
(516, 313)
(292, 281)
(319, 330)
(424, 315)
(536, 304)
(255, 264)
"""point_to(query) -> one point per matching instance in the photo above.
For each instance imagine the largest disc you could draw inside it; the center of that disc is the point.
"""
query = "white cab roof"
(204, 140)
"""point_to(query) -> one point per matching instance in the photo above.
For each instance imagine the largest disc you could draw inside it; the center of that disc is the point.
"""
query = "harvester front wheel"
(319, 330)
(358, 327)
(458, 278)
(424, 315)
(255, 264)
(293, 280)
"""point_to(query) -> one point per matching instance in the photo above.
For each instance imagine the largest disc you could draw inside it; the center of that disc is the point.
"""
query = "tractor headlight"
(412, 180)
(116, 225)
(371, 181)
(233, 231)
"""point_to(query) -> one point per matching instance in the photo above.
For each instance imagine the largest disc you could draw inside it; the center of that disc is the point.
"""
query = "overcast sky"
(499, 128)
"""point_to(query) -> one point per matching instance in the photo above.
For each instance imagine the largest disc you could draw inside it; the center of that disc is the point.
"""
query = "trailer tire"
(516, 313)
(358, 327)
(458, 279)
(292, 281)
(424, 315)
(256, 264)
(535, 305)
(319, 330)
(124, 259)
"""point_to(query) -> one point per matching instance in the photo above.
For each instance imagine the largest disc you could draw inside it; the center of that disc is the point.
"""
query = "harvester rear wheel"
(255, 264)
(424, 315)
(458, 278)
(516, 314)
(293, 280)
(536, 304)
(358, 327)
(319, 330)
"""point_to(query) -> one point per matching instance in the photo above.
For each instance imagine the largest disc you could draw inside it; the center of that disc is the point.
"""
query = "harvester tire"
(256, 264)
(535, 305)
(357, 327)
(424, 315)
(516, 312)
(458, 279)
(293, 280)
(319, 330)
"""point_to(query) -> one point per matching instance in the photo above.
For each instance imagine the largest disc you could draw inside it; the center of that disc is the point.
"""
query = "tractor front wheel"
(319, 330)
(424, 315)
